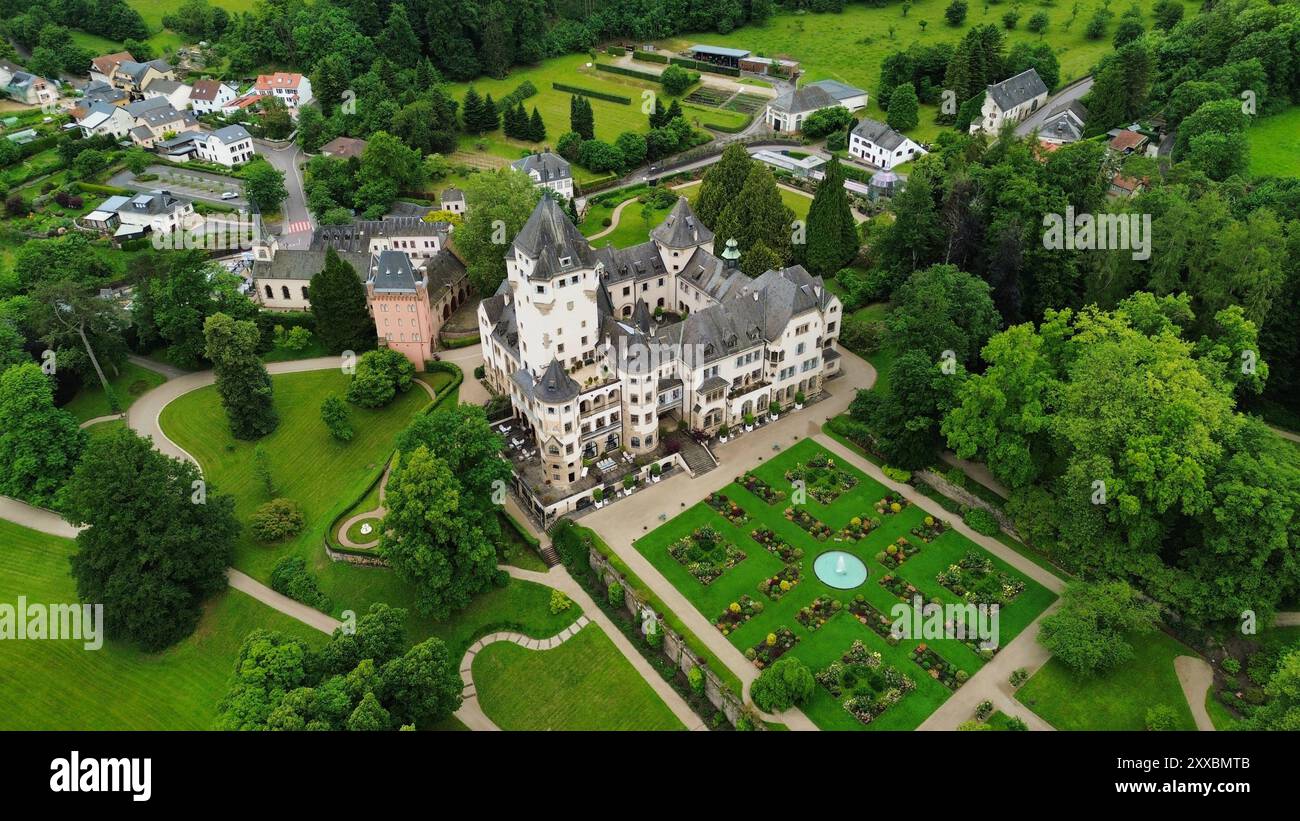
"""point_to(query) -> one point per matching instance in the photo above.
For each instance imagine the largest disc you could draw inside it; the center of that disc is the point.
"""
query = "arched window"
(269, 293)
(305, 293)
(284, 289)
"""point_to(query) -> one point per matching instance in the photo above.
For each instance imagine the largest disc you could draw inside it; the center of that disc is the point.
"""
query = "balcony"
(748, 388)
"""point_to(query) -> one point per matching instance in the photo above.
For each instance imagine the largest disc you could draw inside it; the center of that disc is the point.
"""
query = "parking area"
(195, 185)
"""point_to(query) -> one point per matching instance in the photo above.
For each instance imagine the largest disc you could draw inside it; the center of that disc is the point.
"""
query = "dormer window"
(564, 261)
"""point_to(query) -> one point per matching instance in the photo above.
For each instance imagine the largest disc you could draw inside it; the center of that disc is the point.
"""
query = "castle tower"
(399, 301)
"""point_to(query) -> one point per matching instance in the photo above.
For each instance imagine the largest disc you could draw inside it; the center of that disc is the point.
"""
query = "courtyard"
(744, 558)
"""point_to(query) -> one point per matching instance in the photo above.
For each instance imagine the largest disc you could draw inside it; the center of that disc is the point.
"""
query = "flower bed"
(898, 552)
(890, 504)
(899, 586)
(815, 527)
(776, 545)
(941, 671)
(737, 613)
(929, 529)
(816, 614)
(705, 555)
(774, 587)
(822, 479)
(866, 613)
(772, 647)
(730, 511)
(872, 686)
(761, 489)
(859, 527)
(975, 580)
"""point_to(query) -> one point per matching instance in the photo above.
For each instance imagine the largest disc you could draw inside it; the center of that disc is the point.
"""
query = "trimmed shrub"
(981, 521)
(290, 578)
(786, 683)
(276, 520)
(596, 95)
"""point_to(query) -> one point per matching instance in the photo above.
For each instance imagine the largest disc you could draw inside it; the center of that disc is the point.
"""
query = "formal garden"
(763, 593)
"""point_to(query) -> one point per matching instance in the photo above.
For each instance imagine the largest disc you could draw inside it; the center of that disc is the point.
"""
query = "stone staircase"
(698, 459)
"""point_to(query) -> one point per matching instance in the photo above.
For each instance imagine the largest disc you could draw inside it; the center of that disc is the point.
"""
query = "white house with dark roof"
(548, 170)
(101, 67)
(207, 96)
(131, 217)
(452, 200)
(876, 143)
(177, 94)
(106, 119)
(592, 347)
(228, 146)
(25, 87)
(1010, 101)
(789, 111)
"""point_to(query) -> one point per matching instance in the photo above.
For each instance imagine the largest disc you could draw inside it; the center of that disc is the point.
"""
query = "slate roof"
(164, 86)
(1021, 88)
(391, 271)
(879, 133)
(555, 385)
(807, 98)
(452, 195)
(293, 264)
(633, 263)
(230, 134)
(838, 90)
(681, 229)
(98, 92)
(548, 166)
(550, 238)
(1065, 123)
(140, 107)
(356, 236)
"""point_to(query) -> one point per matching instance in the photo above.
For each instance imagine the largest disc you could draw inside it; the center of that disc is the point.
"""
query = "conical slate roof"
(551, 238)
(556, 385)
(682, 229)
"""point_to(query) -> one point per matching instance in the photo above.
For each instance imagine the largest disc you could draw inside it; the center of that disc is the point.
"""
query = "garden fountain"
(840, 570)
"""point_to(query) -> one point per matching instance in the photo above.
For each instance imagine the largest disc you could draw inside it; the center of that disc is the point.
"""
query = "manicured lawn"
(130, 382)
(1275, 144)
(521, 606)
(819, 647)
(309, 466)
(105, 428)
(1118, 700)
(1220, 716)
(59, 685)
(584, 684)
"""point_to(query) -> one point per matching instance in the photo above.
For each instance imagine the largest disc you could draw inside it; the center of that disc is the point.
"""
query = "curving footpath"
(1196, 676)
(471, 712)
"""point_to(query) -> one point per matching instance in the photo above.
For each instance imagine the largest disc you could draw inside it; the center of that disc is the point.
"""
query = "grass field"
(130, 382)
(634, 227)
(1275, 144)
(307, 465)
(59, 685)
(851, 45)
(1118, 700)
(584, 684)
(819, 647)
(153, 11)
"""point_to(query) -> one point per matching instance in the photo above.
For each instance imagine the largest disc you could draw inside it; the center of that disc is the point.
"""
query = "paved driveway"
(190, 184)
(298, 225)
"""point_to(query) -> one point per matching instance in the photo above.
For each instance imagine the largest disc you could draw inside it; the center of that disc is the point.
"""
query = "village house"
(98, 92)
(876, 143)
(175, 93)
(104, 118)
(452, 200)
(133, 217)
(343, 148)
(549, 171)
(599, 348)
(157, 120)
(1127, 141)
(208, 96)
(789, 111)
(293, 90)
(103, 66)
(1010, 101)
(24, 87)
(134, 78)
(228, 146)
(1064, 125)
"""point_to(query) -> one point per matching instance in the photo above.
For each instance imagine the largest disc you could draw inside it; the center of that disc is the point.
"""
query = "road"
(1067, 95)
(297, 224)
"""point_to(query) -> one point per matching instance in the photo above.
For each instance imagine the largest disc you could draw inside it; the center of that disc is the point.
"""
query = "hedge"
(457, 376)
(459, 342)
(617, 51)
(586, 92)
(524, 533)
(629, 72)
(649, 57)
(106, 190)
(522, 92)
(729, 129)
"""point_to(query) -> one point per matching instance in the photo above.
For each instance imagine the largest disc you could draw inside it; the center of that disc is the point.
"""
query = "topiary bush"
(981, 521)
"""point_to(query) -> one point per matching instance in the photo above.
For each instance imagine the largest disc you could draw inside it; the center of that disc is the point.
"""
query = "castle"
(598, 348)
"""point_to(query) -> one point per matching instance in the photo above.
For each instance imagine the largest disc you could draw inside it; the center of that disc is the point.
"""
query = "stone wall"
(674, 647)
(964, 497)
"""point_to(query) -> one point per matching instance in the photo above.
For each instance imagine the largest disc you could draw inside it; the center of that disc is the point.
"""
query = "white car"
(229, 195)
